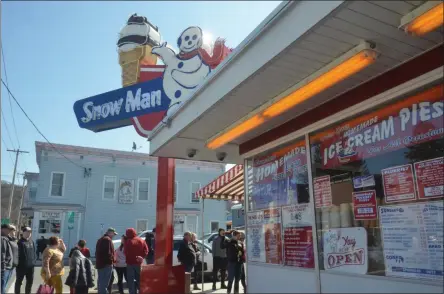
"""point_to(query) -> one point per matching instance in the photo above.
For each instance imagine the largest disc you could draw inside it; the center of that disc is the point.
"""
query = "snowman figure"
(185, 71)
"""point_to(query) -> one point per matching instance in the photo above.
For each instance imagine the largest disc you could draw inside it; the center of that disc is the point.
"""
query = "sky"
(56, 53)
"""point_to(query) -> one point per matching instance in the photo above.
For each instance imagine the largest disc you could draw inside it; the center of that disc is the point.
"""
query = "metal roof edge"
(255, 34)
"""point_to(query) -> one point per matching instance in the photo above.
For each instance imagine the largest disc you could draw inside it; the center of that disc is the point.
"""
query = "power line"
(7, 129)
(10, 102)
(24, 112)
(6, 145)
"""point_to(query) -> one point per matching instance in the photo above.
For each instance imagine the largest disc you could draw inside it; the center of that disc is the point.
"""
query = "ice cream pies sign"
(151, 92)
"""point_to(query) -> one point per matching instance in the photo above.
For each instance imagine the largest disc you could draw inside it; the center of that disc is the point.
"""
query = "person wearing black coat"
(235, 251)
(26, 263)
(80, 274)
(186, 254)
(197, 262)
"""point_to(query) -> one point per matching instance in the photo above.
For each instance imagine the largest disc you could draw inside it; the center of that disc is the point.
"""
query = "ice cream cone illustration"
(136, 39)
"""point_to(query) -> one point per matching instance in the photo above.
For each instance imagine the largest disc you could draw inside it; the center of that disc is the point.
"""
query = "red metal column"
(164, 212)
(162, 277)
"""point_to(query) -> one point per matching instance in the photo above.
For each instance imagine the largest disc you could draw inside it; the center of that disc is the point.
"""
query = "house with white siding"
(81, 191)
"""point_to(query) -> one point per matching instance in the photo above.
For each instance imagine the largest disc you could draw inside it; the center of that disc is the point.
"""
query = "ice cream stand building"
(335, 110)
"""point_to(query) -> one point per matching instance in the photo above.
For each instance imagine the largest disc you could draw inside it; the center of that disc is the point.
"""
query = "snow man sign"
(151, 92)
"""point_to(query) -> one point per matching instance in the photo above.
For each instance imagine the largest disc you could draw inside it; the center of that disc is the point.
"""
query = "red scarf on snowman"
(220, 51)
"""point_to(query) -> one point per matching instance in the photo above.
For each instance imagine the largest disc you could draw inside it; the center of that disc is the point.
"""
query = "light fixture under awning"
(343, 67)
(424, 19)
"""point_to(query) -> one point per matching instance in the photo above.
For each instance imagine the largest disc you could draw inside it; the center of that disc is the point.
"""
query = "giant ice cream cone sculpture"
(136, 40)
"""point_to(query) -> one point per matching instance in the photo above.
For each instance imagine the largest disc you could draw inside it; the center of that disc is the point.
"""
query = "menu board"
(365, 205)
(398, 183)
(412, 235)
(298, 236)
(322, 191)
(264, 240)
(278, 176)
(345, 250)
(430, 178)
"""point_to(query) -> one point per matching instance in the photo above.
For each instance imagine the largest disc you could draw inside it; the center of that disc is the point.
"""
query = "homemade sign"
(152, 92)
(278, 175)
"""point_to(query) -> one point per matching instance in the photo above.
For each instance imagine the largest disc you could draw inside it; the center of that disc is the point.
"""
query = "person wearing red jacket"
(135, 252)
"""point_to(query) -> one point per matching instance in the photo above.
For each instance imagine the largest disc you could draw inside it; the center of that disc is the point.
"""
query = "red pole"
(164, 212)
(162, 277)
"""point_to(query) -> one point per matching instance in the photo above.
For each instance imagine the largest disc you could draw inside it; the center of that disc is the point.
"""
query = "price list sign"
(322, 191)
(255, 237)
(430, 178)
(298, 236)
(365, 205)
(398, 183)
(264, 242)
(412, 235)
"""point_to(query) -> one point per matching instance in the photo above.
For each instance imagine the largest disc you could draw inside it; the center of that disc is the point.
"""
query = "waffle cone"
(130, 62)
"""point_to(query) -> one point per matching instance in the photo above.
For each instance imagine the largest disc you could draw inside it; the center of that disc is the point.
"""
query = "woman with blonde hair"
(53, 267)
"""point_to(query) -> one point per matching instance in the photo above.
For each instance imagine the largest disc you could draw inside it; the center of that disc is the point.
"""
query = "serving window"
(378, 188)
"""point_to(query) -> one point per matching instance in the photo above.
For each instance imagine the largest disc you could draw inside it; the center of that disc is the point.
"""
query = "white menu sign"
(412, 235)
(255, 238)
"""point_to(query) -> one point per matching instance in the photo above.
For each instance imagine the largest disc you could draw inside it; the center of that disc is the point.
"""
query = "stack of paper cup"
(325, 218)
(335, 217)
(345, 213)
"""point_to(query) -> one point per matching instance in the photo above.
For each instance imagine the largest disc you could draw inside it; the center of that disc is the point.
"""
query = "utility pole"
(17, 152)
(21, 204)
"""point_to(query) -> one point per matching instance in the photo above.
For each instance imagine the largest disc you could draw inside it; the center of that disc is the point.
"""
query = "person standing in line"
(186, 254)
(25, 268)
(80, 277)
(120, 264)
(150, 239)
(219, 259)
(136, 251)
(81, 246)
(52, 264)
(234, 253)
(243, 260)
(7, 257)
(105, 259)
(198, 264)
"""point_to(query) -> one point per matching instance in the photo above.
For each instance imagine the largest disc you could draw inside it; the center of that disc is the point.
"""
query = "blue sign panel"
(116, 108)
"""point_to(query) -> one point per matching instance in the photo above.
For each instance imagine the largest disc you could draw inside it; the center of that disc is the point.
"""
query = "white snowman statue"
(185, 71)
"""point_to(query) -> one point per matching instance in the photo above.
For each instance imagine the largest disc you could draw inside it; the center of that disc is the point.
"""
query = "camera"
(191, 153)
(221, 156)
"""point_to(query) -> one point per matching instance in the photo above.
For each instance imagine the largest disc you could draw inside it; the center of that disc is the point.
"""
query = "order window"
(378, 184)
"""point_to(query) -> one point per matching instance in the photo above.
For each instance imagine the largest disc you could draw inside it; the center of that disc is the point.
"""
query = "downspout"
(88, 176)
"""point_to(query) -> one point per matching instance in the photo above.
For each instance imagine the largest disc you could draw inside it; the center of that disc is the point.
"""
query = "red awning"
(229, 186)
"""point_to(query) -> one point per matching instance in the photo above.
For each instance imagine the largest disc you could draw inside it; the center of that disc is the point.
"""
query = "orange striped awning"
(228, 186)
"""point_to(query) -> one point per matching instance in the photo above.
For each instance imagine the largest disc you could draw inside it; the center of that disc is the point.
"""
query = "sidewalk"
(208, 289)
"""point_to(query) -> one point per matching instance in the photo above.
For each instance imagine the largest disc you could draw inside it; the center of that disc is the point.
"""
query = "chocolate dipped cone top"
(136, 39)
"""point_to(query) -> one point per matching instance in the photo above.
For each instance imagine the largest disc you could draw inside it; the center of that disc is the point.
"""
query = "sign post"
(71, 215)
(5, 221)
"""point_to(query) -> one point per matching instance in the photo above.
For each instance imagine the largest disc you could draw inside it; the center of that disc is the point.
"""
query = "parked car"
(204, 248)
(208, 238)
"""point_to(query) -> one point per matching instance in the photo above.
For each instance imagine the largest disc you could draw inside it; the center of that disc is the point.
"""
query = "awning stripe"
(228, 186)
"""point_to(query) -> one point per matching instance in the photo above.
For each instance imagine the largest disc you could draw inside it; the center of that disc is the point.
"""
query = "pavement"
(38, 280)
